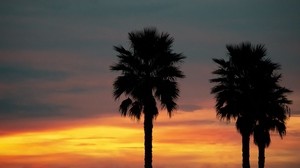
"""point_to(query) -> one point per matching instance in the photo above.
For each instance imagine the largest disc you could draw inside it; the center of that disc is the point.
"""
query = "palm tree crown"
(236, 81)
(272, 103)
(149, 66)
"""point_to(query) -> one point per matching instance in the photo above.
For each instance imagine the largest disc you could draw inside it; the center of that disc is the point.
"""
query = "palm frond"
(124, 106)
(124, 84)
(169, 73)
(136, 110)
(167, 92)
(131, 109)
(122, 51)
(222, 63)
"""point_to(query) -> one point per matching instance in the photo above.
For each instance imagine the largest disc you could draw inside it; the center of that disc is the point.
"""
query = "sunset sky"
(56, 104)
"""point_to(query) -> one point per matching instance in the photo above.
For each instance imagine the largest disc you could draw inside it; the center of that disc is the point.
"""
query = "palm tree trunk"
(148, 126)
(246, 150)
(261, 156)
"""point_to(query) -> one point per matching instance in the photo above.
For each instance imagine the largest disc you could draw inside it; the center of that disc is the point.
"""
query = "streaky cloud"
(189, 107)
(13, 73)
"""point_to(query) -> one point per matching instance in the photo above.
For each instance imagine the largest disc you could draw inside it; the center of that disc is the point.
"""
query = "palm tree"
(149, 71)
(234, 91)
(272, 106)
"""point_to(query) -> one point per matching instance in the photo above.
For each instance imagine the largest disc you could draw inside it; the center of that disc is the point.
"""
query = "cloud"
(189, 107)
(11, 108)
(24, 25)
(295, 113)
(86, 144)
(23, 96)
(187, 122)
(40, 87)
(13, 73)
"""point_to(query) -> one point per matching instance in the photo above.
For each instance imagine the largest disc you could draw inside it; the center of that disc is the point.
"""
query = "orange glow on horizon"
(188, 138)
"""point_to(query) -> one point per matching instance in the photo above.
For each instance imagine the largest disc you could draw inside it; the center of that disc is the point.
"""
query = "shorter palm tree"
(262, 136)
(273, 111)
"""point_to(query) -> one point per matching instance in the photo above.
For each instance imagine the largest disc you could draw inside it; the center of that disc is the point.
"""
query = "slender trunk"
(245, 150)
(149, 111)
(148, 126)
(261, 156)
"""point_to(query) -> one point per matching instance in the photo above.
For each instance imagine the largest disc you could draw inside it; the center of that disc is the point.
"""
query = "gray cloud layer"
(75, 81)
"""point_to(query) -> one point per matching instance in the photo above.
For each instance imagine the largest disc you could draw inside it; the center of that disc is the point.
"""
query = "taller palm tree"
(235, 90)
(149, 71)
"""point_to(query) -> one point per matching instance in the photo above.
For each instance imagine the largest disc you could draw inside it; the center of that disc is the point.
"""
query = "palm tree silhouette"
(262, 135)
(272, 105)
(247, 91)
(149, 72)
(233, 100)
